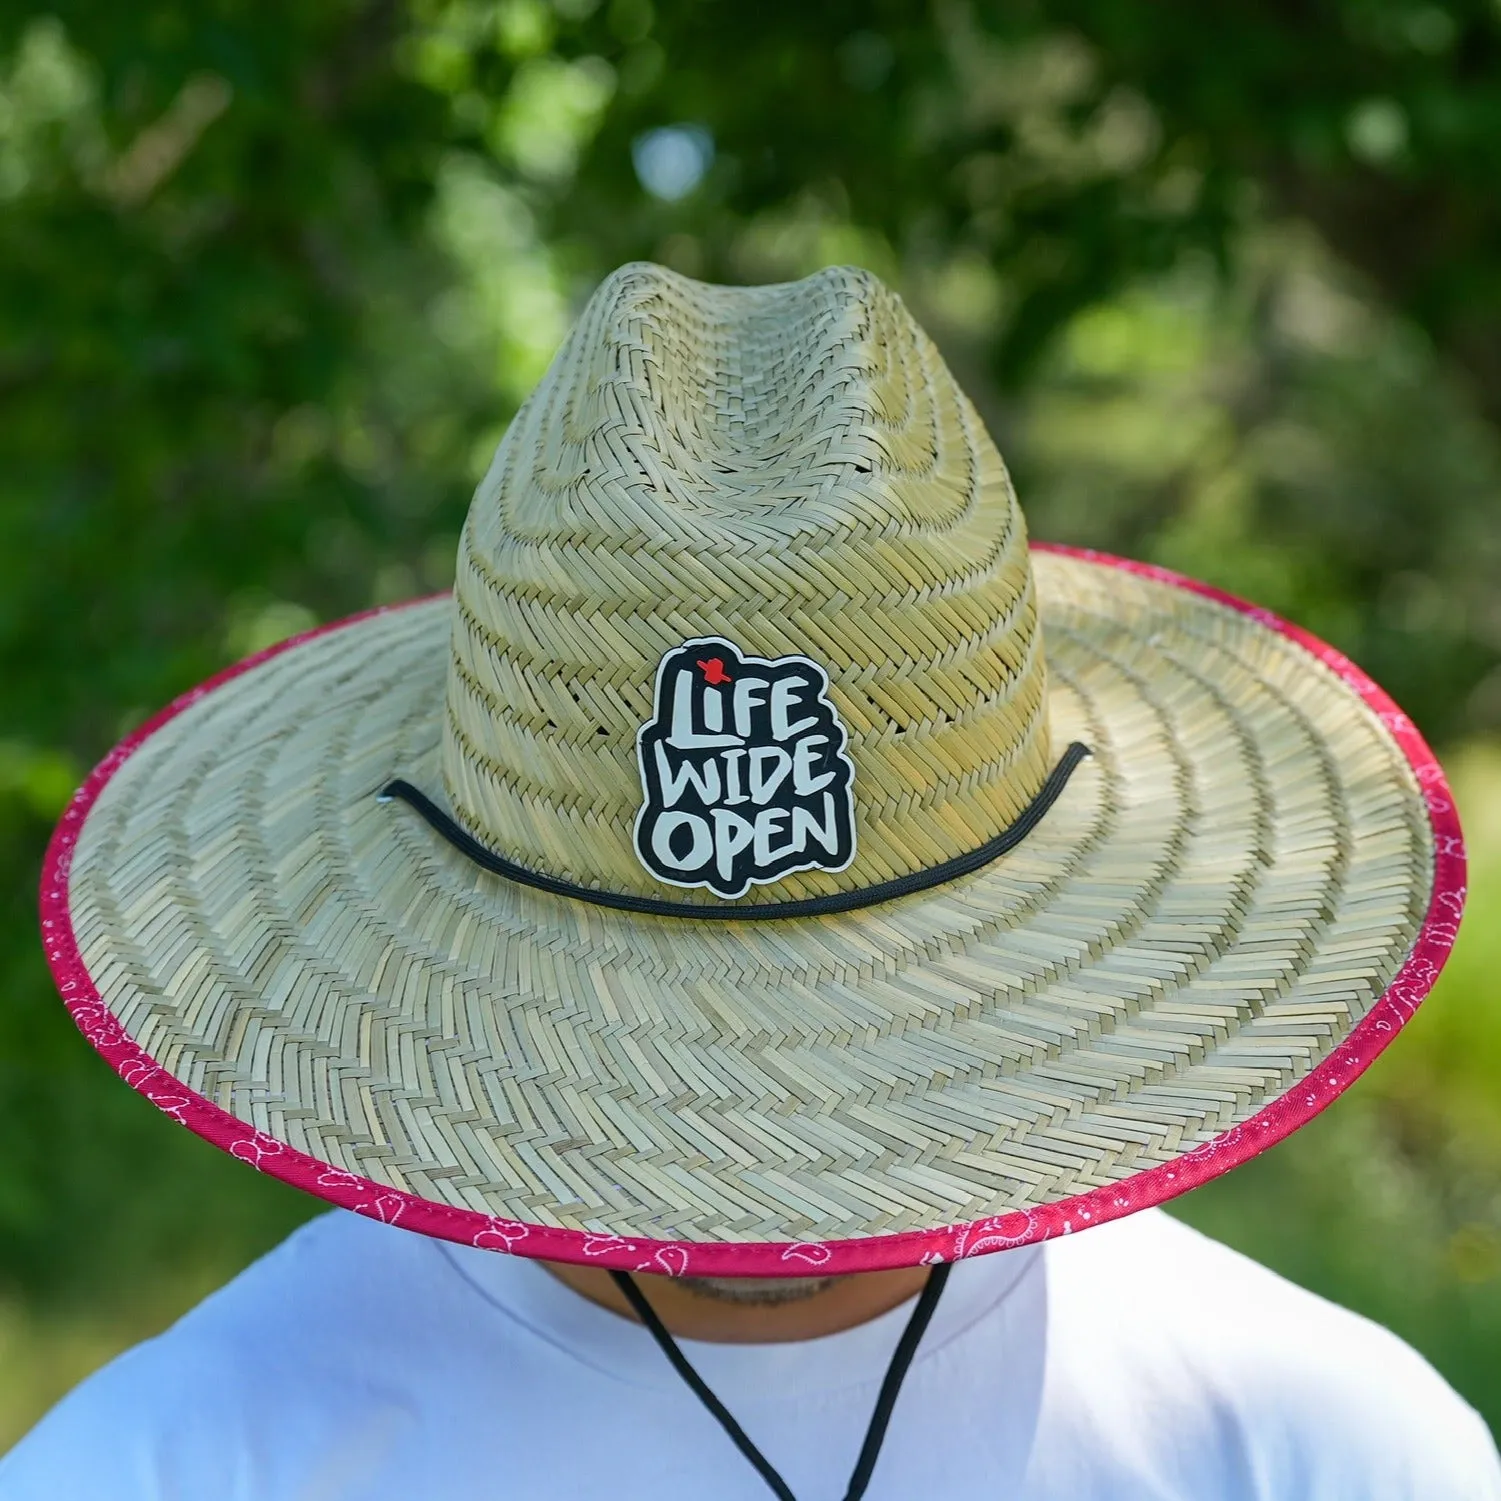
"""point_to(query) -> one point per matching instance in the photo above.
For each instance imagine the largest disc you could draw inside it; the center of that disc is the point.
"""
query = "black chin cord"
(879, 1419)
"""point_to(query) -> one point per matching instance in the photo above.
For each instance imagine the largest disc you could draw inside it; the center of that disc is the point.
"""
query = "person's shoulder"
(186, 1409)
(1320, 1397)
(338, 1283)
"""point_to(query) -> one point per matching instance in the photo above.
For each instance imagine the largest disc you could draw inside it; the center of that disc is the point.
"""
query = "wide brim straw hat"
(764, 861)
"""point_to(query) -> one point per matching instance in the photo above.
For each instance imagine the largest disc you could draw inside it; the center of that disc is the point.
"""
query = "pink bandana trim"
(1141, 1190)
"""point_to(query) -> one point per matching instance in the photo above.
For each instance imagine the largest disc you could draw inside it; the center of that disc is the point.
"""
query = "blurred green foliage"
(1225, 281)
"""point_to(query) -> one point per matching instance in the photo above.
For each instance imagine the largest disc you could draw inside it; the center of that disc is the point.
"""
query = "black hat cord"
(810, 906)
(870, 1450)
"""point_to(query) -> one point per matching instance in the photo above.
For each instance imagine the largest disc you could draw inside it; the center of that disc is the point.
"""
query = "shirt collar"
(520, 1290)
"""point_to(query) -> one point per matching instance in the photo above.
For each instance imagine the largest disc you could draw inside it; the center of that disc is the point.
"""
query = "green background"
(1224, 279)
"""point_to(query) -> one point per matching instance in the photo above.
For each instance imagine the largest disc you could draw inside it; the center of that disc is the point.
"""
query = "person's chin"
(755, 1291)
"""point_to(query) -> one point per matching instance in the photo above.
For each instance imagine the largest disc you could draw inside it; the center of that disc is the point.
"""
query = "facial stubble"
(761, 1292)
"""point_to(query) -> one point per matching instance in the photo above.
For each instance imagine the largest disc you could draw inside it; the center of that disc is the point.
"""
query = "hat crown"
(793, 471)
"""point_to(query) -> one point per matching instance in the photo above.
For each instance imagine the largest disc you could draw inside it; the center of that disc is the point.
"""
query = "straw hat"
(764, 859)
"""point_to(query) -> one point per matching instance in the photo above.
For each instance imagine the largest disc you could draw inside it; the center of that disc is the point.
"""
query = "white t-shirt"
(1136, 1362)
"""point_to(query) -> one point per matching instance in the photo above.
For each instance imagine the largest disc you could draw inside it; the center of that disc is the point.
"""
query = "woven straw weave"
(790, 467)
(1218, 897)
(1220, 894)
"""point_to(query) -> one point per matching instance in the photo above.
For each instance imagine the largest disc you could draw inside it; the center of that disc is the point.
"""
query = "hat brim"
(1235, 905)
